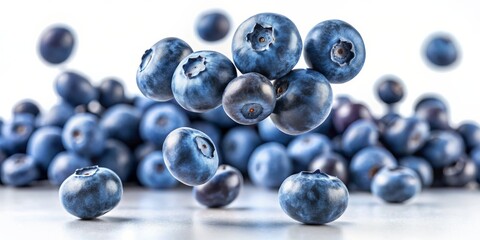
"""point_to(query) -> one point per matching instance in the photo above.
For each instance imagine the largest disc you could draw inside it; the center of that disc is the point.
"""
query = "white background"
(112, 36)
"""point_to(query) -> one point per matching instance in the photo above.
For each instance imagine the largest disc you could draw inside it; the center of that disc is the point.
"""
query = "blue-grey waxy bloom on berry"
(249, 98)
(335, 49)
(267, 43)
(304, 100)
(313, 197)
(154, 75)
(200, 79)
(190, 156)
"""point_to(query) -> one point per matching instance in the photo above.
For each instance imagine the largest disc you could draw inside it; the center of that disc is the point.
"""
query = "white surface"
(112, 36)
(36, 213)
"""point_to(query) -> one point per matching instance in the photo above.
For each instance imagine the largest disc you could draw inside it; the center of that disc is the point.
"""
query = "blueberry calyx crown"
(251, 110)
(146, 58)
(205, 146)
(261, 38)
(194, 66)
(77, 136)
(316, 172)
(281, 89)
(20, 129)
(342, 52)
(86, 171)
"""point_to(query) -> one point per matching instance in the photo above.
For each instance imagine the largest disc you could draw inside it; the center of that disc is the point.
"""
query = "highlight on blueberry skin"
(396, 185)
(313, 197)
(335, 49)
(91, 192)
(190, 156)
(249, 98)
(267, 43)
(304, 101)
(56, 44)
(221, 190)
(212, 25)
(200, 80)
(154, 75)
(441, 50)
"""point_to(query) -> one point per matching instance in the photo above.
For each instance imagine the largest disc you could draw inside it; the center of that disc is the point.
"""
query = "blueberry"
(75, 88)
(56, 44)
(475, 156)
(434, 110)
(349, 112)
(459, 173)
(44, 144)
(442, 148)
(366, 164)
(238, 144)
(111, 92)
(153, 173)
(405, 136)
(190, 156)
(304, 100)
(83, 135)
(269, 165)
(396, 185)
(17, 132)
(440, 50)
(159, 121)
(304, 148)
(335, 49)
(249, 98)
(212, 25)
(210, 129)
(390, 90)
(200, 79)
(268, 132)
(63, 165)
(470, 132)
(221, 190)
(313, 197)
(91, 192)
(332, 164)
(219, 117)
(122, 122)
(267, 43)
(26, 106)
(117, 157)
(420, 166)
(360, 134)
(19, 170)
(154, 75)
(3, 157)
(57, 115)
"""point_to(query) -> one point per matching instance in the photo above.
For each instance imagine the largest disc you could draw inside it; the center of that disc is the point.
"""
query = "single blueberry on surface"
(267, 43)
(91, 192)
(212, 26)
(313, 197)
(396, 185)
(249, 98)
(304, 100)
(335, 49)
(56, 44)
(200, 80)
(269, 165)
(221, 190)
(154, 75)
(441, 50)
(190, 156)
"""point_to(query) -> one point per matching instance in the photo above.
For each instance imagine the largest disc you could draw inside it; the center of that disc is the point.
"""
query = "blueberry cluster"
(201, 124)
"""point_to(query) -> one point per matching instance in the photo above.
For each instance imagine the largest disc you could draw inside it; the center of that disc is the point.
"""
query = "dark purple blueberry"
(434, 110)
(459, 173)
(313, 197)
(91, 192)
(390, 90)
(470, 132)
(212, 26)
(332, 164)
(26, 106)
(221, 190)
(110, 92)
(347, 113)
(56, 44)
(396, 185)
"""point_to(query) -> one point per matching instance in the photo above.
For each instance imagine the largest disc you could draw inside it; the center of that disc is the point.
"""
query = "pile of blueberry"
(202, 124)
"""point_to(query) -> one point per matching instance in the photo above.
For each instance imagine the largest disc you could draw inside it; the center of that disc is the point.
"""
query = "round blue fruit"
(269, 165)
(75, 88)
(313, 197)
(396, 185)
(91, 192)
(19, 170)
(190, 156)
(267, 43)
(152, 172)
(335, 49)
(441, 50)
(83, 135)
(63, 165)
(56, 44)
(212, 26)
